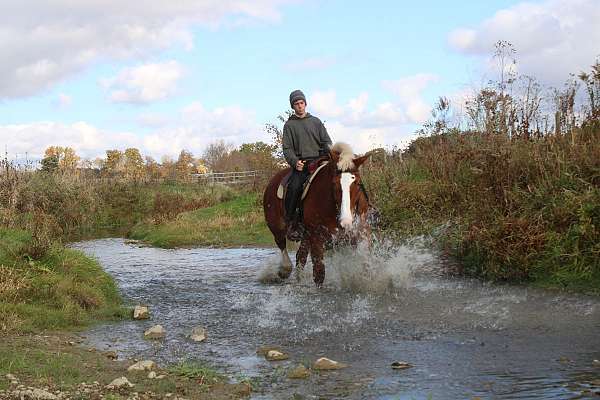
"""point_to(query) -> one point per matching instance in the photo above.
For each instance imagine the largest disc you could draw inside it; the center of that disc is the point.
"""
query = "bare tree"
(215, 153)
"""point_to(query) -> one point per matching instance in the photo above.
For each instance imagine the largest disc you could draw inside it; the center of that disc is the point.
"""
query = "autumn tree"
(152, 168)
(184, 165)
(134, 164)
(167, 168)
(259, 155)
(216, 154)
(113, 165)
(66, 157)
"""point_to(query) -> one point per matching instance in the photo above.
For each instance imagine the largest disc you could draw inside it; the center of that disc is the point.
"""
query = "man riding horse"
(304, 140)
(332, 206)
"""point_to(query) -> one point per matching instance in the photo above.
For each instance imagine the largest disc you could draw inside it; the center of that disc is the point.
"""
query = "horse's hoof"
(284, 272)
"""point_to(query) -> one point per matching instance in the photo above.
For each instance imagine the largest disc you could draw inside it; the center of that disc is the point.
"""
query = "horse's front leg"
(316, 255)
(301, 256)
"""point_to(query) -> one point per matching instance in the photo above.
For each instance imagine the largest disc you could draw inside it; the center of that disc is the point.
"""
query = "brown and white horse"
(335, 206)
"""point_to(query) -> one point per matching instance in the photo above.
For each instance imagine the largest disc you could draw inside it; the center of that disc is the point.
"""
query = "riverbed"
(463, 338)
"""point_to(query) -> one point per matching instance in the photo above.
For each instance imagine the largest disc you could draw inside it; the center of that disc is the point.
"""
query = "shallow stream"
(464, 338)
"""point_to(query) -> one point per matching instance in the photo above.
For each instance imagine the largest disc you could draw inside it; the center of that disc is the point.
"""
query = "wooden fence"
(228, 178)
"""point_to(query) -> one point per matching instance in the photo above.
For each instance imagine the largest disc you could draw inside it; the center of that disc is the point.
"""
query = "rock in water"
(400, 365)
(141, 312)
(146, 365)
(156, 332)
(119, 383)
(263, 350)
(274, 355)
(198, 334)
(327, 364)
(300, 372)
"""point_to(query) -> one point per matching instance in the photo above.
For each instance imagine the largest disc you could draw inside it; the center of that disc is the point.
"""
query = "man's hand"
(300, 165)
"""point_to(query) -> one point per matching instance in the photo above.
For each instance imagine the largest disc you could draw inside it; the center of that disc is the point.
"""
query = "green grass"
(64, 289)
(238, 222)
(50, 361)
(204, 374)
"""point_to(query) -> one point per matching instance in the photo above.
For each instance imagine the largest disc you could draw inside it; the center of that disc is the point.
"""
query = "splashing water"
(379, 305)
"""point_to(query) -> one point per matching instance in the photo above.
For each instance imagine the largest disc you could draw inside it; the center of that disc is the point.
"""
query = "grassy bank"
(507, 209)
(238, 222)
(63, 289)
(52, 361)
(47, 290)
(44, 285)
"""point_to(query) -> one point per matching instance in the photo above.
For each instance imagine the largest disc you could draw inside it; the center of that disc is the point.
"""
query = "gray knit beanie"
(295, 96)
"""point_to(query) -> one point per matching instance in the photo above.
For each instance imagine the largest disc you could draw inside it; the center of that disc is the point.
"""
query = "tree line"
(131, 164)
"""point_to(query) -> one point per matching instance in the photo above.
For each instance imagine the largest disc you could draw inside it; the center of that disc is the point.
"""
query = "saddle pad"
(281, 189)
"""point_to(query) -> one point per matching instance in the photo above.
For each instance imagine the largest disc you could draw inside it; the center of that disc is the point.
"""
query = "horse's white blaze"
(346, 211)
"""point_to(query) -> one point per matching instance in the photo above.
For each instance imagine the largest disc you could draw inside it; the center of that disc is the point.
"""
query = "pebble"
(274, 355)
(324, 363)
(146, 365)
(156, 332)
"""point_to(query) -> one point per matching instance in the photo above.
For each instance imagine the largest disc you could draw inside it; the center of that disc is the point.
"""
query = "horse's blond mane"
(345, 162)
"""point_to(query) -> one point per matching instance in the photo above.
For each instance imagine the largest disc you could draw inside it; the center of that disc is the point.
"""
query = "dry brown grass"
(13, 284)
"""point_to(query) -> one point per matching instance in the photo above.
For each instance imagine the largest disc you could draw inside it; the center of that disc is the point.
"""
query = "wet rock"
(327, 364)
(300, 372)
(198, 334)
(596, 363)
(152, 375)
(111, 354)
(156, 332)
(262, 351)
(119, 383)
(146, 365)
(401, 365)
(274, 355)
(141, 312)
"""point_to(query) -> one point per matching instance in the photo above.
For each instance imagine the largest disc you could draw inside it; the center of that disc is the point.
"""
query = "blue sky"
(163, 77)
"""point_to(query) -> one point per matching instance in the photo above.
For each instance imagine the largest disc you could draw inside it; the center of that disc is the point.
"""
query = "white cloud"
(145, 83)
(325, 102)
(553, 38)
(152, 120)
(46, 42)
(383, 124)
(193, 129)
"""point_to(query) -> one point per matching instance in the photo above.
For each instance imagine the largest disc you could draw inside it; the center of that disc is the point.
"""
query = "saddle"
(313, 168)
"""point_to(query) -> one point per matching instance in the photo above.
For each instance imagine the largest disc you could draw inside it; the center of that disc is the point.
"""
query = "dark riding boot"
(295, 229)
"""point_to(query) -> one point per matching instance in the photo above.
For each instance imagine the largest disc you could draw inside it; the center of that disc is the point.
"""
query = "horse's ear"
(360, 160)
